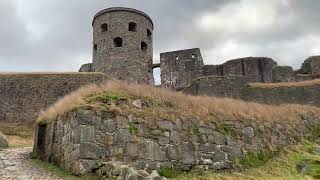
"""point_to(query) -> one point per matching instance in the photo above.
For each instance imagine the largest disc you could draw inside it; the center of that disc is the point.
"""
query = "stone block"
(188, 154)
(89, 151)
(85, 134)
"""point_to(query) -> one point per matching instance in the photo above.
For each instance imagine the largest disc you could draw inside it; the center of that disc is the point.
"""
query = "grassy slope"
(284, 166)
(169, 105)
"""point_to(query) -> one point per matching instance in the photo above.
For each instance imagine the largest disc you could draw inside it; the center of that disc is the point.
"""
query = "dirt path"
(15, 165)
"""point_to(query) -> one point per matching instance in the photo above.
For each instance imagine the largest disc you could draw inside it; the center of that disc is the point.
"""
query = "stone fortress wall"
(86, 141)
(238, 87)
(24, 95)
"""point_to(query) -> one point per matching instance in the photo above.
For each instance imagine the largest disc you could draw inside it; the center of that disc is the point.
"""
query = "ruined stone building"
(122, 49)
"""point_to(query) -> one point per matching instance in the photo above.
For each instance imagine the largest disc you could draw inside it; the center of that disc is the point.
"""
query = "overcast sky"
(56, 35)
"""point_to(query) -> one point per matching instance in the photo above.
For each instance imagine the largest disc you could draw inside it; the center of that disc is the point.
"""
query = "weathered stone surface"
(86, 68)
(85, 134)
(152, 151)
(282, 74)
(82, 167)
(24, 95)
(219, 138)
(248, 131)
(179, 68)
(238, 87)
(109, 125)
(166, 125)
(188, 154)
(122, 136)
(3, 141)
(119, 53)
(89, 151)
(181, 148)
(311, 66)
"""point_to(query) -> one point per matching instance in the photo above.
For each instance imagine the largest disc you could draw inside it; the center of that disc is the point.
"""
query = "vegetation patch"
(225, 129)
(286, 164)
(166, 171)
(59, 172)
(166, 104)
(132, 129)
(256, 159)
(196, 131)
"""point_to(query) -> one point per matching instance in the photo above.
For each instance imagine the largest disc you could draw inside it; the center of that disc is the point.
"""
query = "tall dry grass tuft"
(70, 101)
(289, 84)
(184, 105)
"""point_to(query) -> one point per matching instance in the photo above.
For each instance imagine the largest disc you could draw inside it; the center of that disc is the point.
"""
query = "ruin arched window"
(133, 27)
(118, 42)
(144, 46)
(104, 27)
(149, 34)
(95, 48)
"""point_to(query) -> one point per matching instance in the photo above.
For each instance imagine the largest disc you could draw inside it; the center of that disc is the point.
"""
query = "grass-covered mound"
(150, 101)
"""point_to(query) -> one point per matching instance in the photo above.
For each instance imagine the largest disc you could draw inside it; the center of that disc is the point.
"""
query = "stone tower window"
(104, 27)
(193, 56)
(149, 34)
(177, 57)
(144, 46)
(95, 48)
(133, 27)
(117, 42)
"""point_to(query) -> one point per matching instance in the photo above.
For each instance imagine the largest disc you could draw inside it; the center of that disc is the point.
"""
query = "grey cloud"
(56, 35)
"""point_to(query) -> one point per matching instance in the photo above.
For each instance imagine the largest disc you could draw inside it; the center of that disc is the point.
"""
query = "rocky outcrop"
(79, 141)
(3, 141)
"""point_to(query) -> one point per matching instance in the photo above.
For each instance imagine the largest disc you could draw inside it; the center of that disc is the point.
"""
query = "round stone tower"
(123, 45)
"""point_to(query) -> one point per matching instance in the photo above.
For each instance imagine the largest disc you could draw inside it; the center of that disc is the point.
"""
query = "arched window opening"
(117, 42)
(104, 27)
(177, 57)
(149, 34)
(132, 27)
(95, 48)
(193, 56)
(144, 46)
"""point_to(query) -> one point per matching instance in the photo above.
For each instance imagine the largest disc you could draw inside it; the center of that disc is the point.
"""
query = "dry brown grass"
(15, 141)
(291, 84)
(184, 106)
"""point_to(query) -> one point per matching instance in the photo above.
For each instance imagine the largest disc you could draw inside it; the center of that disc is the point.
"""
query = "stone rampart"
(238, 87)
(84, 141)
(24, 95)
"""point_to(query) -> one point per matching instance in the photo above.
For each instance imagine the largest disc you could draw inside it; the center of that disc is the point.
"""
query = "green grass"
(106, 97)
(252, 159)
(60, 173)
(287, 165)
(166, 171)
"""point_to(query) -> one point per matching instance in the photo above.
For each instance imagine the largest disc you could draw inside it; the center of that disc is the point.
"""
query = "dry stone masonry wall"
(23, 96)
(85, 141)
(238, 87)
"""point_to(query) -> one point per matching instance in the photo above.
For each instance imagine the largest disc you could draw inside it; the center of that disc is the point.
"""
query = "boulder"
(3, 141)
